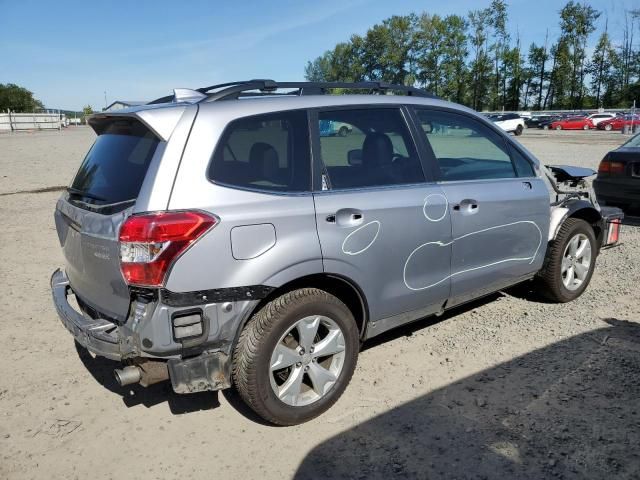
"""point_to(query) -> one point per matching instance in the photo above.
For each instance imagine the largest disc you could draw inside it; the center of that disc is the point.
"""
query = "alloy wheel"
(307, 360)
(576, 261)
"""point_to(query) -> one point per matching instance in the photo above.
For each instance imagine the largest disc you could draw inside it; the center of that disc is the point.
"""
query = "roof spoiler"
(161, 121)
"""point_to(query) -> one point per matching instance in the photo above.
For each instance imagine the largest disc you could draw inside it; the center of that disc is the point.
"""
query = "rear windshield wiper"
(82, 193)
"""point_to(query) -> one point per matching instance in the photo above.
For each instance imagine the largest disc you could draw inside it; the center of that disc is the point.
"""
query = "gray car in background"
(217, 237)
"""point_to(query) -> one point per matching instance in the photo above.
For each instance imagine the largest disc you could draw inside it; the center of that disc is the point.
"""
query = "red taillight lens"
(607, 167)
(150, 243)
(613, 235)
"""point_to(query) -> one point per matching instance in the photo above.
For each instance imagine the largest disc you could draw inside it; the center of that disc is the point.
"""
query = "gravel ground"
(508, 387)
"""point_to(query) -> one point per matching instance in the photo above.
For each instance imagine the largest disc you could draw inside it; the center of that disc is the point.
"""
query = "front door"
(380, 223)
(499, 208)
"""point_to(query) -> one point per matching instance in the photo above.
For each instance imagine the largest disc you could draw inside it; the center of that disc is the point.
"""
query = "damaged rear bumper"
(206, 371)
(99, 336)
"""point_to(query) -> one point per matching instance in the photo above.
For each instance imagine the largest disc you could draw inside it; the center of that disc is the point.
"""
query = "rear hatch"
(89, 214)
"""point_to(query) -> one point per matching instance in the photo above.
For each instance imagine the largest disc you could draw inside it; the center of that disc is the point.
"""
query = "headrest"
(263, 160)
(377, 150)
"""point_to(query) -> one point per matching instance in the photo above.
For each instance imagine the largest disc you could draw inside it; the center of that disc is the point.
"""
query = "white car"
(509, 122)
(596, 118)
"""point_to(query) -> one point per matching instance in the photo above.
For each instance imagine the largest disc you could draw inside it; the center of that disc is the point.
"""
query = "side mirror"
(354, 157)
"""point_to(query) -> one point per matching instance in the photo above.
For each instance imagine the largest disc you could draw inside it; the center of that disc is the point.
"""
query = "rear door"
(499, 208)
(381, 223)
(88, 216)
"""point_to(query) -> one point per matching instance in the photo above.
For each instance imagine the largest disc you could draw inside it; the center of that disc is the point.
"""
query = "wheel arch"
(340, 286)
(583, 210)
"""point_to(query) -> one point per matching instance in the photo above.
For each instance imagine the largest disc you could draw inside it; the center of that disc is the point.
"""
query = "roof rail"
(234, 90)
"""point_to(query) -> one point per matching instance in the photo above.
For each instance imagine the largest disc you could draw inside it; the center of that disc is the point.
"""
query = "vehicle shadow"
(101, 369)
(569, 410)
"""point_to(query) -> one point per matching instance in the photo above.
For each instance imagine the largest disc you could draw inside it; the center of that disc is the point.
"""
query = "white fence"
(10, 122)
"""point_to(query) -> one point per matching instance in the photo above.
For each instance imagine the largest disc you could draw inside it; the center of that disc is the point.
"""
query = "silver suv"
(216, 237)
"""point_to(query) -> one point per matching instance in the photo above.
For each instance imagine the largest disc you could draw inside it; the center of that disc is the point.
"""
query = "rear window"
(265, 152)
(115, 166)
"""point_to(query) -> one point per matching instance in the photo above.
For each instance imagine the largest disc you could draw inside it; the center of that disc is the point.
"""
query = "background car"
(536, 120)
(546, 123)
(330, 129)
(618, 180)
(509, 122)
(596, 118)
(573, 123)
(618, 123)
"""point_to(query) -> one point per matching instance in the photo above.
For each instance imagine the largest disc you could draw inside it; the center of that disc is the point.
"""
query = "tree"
(481, 63)
(87, 110)
(454, 67)
(17, 99)
(538, 58)
(498, 17)
(601, 67)
(429, 51)
(577, 22)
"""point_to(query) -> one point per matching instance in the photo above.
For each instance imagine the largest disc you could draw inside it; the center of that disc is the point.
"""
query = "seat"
(264, 163)
(377, 160)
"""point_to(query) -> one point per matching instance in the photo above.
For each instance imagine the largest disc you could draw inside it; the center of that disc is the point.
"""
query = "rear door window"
(265, 152)
(115, 166)
(368, 147)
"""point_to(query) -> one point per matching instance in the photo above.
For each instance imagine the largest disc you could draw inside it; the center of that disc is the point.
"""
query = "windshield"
(116, 164)
(633, 142)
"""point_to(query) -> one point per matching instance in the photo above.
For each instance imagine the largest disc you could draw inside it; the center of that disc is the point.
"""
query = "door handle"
(527, 185)
(346, 217)
(466, 206)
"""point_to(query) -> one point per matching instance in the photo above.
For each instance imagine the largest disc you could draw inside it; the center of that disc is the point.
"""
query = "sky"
(69, 53)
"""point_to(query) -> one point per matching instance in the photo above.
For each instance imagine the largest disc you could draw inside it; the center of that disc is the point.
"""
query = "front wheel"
(570, 262)
(558, 127)
(608, 127)
(518, 131)
(343, 132)
(585, 127)
(296, 356)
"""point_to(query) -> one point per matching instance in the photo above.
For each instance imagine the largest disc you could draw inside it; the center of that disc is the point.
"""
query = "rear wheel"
(296, 356)
(585, 127)
(518, 131)
(570, 262)
(608, 127)
(558, 127)
(343, 132)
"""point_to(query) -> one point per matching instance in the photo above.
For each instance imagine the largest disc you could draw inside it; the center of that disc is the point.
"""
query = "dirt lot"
(508, 387)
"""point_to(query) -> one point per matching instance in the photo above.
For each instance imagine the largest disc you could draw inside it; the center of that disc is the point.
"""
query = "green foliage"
(473, 60)
(17, 99)
(87, 110)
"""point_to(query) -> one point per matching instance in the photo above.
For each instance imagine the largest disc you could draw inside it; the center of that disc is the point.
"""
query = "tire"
(558, 127)
(608, 127)
(551, 277)
(343, 132)
(263, 388)
(585, 127)
(518, 131)
(546, 127)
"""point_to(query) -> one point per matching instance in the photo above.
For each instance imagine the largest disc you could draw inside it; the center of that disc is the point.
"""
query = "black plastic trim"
(216, 295)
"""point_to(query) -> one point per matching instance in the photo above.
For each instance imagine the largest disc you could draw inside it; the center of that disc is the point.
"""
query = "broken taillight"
(150, 243)
(613, 233)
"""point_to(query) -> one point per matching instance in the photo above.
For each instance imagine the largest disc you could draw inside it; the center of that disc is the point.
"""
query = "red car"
(573, 123)
(618, 123)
